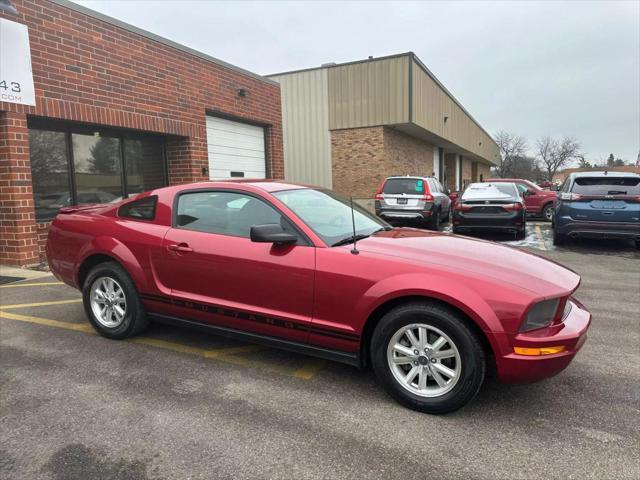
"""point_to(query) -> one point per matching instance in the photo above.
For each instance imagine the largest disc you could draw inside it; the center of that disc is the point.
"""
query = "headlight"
(540, 315)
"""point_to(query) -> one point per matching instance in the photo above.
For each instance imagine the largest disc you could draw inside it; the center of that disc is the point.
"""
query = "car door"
(218, 275)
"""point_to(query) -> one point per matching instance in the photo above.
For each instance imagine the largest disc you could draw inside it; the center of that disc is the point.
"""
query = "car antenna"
(354, 250)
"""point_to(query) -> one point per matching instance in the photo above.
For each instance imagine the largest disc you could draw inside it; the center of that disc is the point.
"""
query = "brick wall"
(88, 70)
(484, 170)
(450, 160)
(363, 157)
(466, 171)
(18, 240)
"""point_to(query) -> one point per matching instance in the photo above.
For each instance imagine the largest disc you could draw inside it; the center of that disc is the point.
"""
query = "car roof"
(266, 185)
(507, 180)
(409, 176)
(604, 173)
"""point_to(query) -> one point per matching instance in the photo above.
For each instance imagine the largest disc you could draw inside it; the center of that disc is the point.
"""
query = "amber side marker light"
(538, 351)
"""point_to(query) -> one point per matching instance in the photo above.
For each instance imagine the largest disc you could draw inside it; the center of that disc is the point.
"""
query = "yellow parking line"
(540, 238)
(16, 285)
(222, 354)
(309, 369)
(39, 304)
(78, 327)
(231, 351)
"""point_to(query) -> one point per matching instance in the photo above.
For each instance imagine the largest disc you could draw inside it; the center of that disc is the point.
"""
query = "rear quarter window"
(408, 186)
(609, 185)
(143, 209)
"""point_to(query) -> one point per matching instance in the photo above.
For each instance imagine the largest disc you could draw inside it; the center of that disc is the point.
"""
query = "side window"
(143, 209)
(225, 213)
(522, 188)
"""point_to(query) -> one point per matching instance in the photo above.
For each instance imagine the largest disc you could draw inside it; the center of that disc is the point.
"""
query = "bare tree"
(553, 154)
(512, 147)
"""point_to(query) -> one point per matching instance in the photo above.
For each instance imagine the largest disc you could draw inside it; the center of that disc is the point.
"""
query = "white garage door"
(235, 149)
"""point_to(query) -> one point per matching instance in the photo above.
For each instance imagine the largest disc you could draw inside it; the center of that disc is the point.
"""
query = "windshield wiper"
(349, 239)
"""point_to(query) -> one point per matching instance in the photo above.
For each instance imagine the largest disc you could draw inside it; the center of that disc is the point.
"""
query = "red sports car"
(297, 268)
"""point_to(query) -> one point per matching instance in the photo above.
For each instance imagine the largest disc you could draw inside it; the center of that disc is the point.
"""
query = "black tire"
(558, 238)
(451, 323)
(547, 212)
(522, 233)
(637, 244)
(448, 217)
(434, 222)
(135, 319)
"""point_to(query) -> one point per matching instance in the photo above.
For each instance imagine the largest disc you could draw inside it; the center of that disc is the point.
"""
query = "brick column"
(186, 157)
(18, 233)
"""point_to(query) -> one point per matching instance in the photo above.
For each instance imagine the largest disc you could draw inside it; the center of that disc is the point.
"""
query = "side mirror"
(271, 233)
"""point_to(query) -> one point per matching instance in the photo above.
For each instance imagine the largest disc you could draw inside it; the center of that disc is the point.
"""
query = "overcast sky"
(534, 68)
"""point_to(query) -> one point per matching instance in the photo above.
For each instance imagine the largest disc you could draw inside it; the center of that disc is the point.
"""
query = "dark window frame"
(303, 239)
(69, 128)
(153, 198)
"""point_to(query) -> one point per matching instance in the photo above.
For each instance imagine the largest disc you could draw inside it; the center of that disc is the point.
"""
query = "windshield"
(407, 186)
(328, 214)
(608, 185)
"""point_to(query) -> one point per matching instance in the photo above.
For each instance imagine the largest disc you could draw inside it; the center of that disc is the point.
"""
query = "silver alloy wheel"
(424, 360)
(548, 213)
(108, 302)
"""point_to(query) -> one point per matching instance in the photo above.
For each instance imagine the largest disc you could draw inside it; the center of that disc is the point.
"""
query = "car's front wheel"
(427, 358)
(111, 302)
(547, 212)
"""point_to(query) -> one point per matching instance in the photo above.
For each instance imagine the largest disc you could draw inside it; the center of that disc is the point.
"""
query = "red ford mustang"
(284, 265)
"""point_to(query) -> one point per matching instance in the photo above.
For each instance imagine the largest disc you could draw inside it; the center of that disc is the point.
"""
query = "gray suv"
(413, 200)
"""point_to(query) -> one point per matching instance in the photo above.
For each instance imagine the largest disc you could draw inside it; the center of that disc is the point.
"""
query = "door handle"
(607, 213)
(180, 248)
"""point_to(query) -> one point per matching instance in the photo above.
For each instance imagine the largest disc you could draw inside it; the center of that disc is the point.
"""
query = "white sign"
(16, 77)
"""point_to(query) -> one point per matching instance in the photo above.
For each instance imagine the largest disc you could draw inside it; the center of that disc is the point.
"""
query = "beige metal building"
(348, 126)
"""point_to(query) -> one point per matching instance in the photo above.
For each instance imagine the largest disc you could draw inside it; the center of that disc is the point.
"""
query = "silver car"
(413, 200)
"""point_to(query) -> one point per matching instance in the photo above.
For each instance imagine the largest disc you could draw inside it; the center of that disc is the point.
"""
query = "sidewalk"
(23, 273)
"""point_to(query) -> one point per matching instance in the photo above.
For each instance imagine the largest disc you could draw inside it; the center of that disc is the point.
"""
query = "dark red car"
(278, 263)
(539, 202)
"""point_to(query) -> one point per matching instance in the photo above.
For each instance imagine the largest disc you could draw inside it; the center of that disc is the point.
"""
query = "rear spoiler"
(82, 208)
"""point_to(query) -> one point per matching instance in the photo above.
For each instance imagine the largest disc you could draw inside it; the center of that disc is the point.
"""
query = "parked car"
(279, 264)
(598, 204)
(538, 202)
(490, 206)
(413, 201)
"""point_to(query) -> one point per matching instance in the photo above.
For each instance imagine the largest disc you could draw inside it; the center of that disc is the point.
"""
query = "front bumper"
(598, 229)
(571, 333)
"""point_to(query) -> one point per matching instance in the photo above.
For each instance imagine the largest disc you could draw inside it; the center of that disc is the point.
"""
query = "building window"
(97, 163)
(49, 172)
(75, 164)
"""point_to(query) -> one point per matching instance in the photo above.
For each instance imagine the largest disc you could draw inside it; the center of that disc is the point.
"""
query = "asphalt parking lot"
(178, 404)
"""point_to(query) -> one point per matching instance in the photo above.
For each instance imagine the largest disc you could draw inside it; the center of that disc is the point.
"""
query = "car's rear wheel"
(522, 233)
(111, 302)
(547, 212)
(427, 358)
(436, 218)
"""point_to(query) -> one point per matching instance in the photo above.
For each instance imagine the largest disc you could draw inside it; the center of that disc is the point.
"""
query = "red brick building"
(119, 111)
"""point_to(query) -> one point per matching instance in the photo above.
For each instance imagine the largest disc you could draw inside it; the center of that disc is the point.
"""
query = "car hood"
(488, 259)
